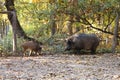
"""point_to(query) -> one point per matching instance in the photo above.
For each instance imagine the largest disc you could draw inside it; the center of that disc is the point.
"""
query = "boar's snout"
(67, 48)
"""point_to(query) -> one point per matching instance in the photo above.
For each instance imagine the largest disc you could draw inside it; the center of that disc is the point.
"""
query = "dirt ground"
(61, 67)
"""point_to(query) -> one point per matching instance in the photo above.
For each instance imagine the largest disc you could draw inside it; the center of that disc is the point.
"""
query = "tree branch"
(5, 12)
(86, 22)
(109, 24)
(104, 31)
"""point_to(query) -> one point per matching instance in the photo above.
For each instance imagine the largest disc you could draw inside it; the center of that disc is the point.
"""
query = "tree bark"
(114, 44)
(53, 23)
(70, 29)
(54, 28)
(14, 33)
(18, 29)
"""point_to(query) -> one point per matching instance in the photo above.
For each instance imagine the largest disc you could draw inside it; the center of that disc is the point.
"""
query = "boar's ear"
(67, 40)
(70, 41)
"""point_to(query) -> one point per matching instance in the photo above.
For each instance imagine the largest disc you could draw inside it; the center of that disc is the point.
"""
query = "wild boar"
(82, 41)
(32, 46)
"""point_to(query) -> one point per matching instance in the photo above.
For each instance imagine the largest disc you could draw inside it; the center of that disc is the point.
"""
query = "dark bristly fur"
(83, 41)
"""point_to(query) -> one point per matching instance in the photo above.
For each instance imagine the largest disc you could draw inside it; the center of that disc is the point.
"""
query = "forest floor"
(61, 67)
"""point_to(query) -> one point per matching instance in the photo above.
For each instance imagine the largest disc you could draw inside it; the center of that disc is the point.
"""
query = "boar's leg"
(36, 53)
(77, 51)
(39, 52)
(24, 52)
(31, 53)
(93, 51)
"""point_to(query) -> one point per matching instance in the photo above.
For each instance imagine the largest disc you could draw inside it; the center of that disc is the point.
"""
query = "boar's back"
(85, 41)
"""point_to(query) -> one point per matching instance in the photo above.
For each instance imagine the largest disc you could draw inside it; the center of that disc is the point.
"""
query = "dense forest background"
(52, 21)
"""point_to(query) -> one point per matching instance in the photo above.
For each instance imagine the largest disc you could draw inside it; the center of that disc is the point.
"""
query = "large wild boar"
(83, 41)
(32, 46)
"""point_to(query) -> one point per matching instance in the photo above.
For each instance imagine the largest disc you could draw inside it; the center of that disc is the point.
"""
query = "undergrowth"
(52, 45)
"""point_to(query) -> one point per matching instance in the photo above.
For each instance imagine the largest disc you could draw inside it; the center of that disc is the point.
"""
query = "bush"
(6, 45)
(104, 50)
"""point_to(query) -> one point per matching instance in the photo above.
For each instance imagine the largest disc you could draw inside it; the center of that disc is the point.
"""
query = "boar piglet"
(82, 41)
(32, 46)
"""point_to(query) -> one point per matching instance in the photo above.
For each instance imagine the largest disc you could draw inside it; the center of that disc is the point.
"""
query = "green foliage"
(55, 44)
(36, 18)
(99, 13)
(6, 45)
(104, 50)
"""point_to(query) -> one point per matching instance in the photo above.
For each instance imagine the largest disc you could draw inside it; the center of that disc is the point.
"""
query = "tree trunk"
(18, 29)
(69, 26)
(114, 44)
(53, 23)
(54, 28)
(14, 33)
